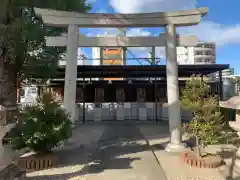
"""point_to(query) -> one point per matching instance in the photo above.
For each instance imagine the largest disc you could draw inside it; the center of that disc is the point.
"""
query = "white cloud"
(135, 51)
(103, 32)
(138, 52)
(205, 31)
(210, 31)
(138, 32)
(137, 6)
(115, 31)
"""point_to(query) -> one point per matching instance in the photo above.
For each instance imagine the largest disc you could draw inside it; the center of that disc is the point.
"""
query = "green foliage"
(22, 36)
(42, 126)
(206, 122)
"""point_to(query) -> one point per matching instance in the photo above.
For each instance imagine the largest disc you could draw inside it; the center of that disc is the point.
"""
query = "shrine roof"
(137, 71)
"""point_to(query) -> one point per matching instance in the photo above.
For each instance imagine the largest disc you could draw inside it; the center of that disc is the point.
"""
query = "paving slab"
(107, 152)
(157, 137)
(124, 154)
(122, 151)
(74, 156)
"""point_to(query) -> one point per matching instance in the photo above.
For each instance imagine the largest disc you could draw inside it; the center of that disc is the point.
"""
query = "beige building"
(202, 53)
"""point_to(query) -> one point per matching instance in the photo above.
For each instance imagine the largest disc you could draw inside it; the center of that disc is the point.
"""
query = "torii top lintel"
(158, 19)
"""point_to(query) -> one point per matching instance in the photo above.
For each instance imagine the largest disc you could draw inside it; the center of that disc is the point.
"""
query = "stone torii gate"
(169, 20)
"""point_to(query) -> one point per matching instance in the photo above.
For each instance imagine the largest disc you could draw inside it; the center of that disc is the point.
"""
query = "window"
(199, 60)
(208, 53)
(198, 53)
(204, 53)
(205, 45)
(209, 46)
(207, 60)
(200, 45)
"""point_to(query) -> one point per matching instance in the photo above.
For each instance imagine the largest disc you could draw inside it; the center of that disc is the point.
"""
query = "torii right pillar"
(174, 114)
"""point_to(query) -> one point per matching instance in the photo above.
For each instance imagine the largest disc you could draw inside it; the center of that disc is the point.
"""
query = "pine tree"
(206, 119)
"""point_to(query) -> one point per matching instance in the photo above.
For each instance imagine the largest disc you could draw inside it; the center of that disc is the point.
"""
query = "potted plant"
(40, 128)
(205, 123)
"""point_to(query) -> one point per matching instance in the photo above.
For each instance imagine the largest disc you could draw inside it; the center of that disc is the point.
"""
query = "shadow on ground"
(111, 152)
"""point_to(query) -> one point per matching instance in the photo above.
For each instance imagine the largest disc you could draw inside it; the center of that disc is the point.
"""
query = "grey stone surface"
(157, 19)
(73, 156)
(12, 172)
(123, 153)
(174, 168)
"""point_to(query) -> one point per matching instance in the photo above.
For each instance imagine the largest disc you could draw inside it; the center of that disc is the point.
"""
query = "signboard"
(112, 56)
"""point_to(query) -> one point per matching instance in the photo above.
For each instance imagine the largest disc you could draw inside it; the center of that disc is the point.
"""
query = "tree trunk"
(202, 147)
(198, 148)
(8, 92)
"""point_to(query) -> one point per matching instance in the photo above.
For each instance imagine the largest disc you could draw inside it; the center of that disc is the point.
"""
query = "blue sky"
(221, 25)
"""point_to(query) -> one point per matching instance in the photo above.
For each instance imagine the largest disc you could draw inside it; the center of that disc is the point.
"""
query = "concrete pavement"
(123, 153)
(104, 152)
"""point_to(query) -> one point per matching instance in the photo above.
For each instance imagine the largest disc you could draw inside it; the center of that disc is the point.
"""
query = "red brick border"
(200, 163)
(36, 162)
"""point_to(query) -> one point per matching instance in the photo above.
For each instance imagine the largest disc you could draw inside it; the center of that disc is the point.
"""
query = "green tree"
(42, 126)
(23, 54)
(206, 119)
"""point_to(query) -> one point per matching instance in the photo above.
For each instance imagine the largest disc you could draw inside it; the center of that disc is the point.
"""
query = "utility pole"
(151, 53)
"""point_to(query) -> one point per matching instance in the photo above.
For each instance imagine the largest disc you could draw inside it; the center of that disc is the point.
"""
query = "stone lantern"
(234, 103)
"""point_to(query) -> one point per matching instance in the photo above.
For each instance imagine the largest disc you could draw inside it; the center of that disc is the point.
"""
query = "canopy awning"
(136, 71)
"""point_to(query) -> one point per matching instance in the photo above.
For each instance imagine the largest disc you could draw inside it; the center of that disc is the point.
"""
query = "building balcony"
(203, 49)
(205, 57)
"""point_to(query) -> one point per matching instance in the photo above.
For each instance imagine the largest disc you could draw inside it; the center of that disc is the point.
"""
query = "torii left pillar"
(69, 102)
